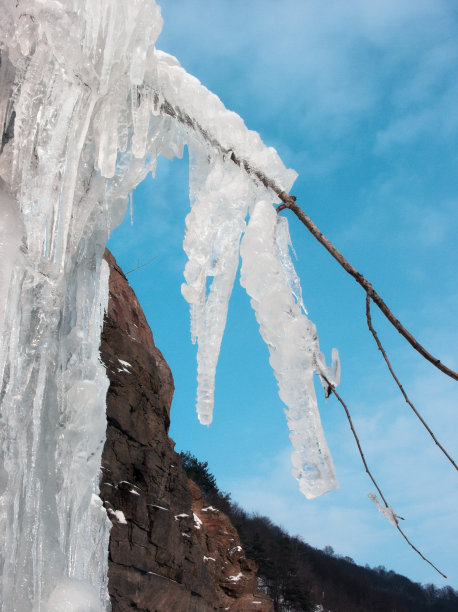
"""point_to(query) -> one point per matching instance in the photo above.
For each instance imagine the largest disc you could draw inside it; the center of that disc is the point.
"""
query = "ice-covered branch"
(263, 166)
(290, 202)
(254, 165)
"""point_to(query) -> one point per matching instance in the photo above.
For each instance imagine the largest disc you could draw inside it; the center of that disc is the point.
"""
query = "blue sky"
(360, 98)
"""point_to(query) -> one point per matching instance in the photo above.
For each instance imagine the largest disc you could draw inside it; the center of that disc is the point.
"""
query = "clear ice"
(87, 104)
(292, 341)
(387, 511)
(213, 231)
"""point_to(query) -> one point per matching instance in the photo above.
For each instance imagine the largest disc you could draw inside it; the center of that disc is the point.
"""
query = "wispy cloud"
(333, 66)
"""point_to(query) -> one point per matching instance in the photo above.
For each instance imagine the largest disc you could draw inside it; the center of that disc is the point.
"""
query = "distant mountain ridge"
(299, 577)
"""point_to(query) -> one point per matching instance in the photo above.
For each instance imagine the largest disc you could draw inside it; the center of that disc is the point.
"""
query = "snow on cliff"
(87, 105)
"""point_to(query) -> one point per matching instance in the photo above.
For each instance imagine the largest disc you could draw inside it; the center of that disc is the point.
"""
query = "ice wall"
(69, 109)
(86, 105)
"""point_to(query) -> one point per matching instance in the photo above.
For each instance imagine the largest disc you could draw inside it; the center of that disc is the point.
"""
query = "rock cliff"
(169, 550)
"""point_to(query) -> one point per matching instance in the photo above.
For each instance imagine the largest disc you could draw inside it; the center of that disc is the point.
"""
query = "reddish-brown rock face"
(169, 551)
(232, 573)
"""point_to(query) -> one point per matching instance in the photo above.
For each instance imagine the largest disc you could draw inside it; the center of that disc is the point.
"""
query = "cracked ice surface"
(87, 104)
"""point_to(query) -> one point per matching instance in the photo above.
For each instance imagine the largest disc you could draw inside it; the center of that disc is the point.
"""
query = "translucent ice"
(293, 345)
(283, 244)
(11, 232)
(214, 226)
(66, 167)
(387, 511)
(73, 596)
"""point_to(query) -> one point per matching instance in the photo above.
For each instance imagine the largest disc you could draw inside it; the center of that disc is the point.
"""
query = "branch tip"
(397, 381)
(365, 284)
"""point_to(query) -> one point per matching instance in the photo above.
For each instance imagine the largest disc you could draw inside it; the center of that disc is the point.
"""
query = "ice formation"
(387, 511)
(292, 342)
(87, 104)
(214, 228)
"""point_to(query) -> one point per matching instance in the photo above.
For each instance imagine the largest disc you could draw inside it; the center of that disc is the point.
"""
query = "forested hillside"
(298, 577)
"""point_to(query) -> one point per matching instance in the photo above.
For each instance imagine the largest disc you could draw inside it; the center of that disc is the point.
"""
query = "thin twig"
(387, 361)
(142, 266)
(365, 284)
(418, 552)
(355, 435)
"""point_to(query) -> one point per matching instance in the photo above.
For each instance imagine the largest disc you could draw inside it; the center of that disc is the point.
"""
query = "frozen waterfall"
(87, 104)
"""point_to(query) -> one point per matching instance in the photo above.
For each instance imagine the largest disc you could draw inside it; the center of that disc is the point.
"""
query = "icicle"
(65, 74)
(292, 342)
(220, 191)
(283, 243)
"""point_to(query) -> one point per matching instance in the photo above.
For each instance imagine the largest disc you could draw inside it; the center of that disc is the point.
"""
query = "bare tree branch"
(355, 435)
(418, 552)
(385, 357)
(138, 266)
(290, 202)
